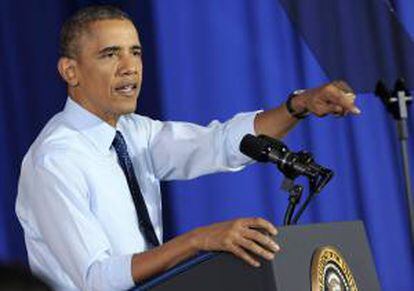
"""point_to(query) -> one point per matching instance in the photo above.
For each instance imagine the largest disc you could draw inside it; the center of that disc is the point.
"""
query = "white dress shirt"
(79, 220)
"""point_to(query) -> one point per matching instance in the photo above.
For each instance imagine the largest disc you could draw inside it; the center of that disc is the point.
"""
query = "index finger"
(346, 89)
(345, 99)
(342, 85)
(261, 223)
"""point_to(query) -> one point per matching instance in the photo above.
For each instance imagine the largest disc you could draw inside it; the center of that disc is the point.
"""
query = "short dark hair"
(79, 22)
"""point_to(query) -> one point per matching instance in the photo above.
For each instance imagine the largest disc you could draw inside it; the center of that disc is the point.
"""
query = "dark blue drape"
(205, 60)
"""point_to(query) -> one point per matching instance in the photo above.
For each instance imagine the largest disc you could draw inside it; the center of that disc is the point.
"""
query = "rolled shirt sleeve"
(184, 151)
(112, 273)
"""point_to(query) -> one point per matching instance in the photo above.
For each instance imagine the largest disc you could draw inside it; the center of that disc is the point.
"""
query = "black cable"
(288, 214)
(305, 204)
(295, 193)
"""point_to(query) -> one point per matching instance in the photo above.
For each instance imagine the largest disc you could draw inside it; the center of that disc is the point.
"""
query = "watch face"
(298, 92)
(298, 115)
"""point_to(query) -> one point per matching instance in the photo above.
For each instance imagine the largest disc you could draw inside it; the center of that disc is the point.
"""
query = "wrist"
(296, 104)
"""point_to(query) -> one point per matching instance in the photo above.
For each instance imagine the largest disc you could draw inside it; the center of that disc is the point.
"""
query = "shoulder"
(138, 121)
(144, 126)
(57, 141)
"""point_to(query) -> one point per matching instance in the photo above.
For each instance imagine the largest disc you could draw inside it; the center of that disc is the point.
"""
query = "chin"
(128, 109)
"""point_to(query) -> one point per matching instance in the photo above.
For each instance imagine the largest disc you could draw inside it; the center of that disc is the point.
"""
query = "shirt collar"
(97, 131)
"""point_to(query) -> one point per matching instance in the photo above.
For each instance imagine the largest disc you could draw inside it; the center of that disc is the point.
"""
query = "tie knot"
(119, 143)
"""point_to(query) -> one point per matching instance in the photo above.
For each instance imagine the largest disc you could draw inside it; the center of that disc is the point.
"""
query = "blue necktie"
(144, 220)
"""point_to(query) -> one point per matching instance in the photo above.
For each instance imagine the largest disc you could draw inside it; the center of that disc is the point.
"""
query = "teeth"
(126, 88)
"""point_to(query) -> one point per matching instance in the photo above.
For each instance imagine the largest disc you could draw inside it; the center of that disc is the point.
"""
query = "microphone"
(266, 149)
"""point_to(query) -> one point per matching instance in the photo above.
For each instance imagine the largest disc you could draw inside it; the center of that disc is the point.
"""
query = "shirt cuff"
(241, 124)
(124, 276)
(113, 273)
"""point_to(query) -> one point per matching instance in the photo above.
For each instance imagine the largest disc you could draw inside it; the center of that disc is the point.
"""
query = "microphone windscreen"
(276, 144)
(254, 148)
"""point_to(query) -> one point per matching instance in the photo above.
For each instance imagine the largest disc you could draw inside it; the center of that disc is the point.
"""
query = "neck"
(108, 117)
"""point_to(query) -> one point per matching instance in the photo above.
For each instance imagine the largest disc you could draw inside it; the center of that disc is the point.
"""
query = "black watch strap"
(298, 115)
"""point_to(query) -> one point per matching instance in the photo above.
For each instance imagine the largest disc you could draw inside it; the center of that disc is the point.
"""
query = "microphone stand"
(312, 193)
(318, 178)
(295, 193)
(292, 164)
(396, 104)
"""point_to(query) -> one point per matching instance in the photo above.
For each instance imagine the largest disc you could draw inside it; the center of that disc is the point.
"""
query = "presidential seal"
(330, 272)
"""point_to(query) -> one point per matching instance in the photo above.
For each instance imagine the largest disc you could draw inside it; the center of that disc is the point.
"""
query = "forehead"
(114, 32)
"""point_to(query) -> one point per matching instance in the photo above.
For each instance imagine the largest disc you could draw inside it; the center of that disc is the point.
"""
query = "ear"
(67, 70)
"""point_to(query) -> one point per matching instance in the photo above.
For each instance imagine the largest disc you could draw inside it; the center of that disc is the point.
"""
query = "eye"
(137, 53)
(109, 55)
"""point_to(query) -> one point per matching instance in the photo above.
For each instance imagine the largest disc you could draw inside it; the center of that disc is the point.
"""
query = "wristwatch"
(298, 115)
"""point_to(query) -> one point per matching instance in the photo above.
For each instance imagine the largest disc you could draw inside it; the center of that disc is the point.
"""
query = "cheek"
(96, 72)
(100, 80)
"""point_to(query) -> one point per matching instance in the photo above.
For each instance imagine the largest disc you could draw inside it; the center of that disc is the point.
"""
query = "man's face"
(109, 69)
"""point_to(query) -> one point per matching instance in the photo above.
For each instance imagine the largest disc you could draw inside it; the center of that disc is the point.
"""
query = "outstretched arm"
(332, 98)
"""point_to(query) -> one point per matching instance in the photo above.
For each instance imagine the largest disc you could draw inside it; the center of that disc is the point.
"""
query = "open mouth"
(127, 89)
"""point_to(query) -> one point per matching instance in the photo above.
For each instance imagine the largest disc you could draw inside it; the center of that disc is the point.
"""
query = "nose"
(129, 65)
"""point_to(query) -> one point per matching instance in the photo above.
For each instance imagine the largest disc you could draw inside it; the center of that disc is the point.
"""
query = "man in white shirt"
(89, 198)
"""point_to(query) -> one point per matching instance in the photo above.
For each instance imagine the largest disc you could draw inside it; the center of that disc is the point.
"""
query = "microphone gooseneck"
(292, 164)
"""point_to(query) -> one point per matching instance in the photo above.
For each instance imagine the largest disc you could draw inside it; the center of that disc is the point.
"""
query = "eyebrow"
(109, 49)
(114, 49)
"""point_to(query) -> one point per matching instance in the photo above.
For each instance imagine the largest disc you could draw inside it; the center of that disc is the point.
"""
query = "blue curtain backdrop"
(207, 60)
